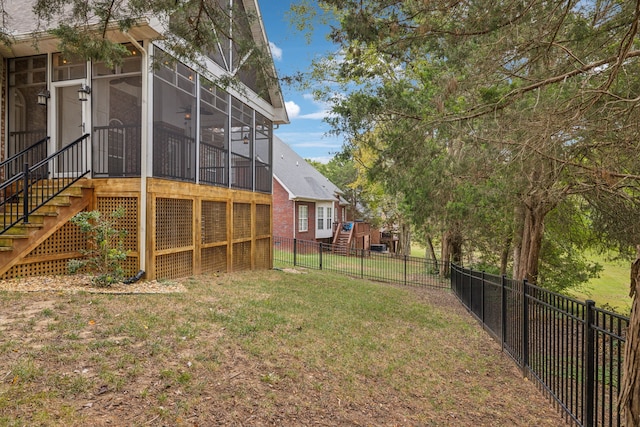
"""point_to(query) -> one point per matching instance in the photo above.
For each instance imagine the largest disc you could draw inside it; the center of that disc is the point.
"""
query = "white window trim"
(303, 218)
(320, 217)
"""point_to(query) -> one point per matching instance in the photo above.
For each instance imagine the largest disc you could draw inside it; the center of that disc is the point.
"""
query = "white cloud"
(318, 115)
(276, 52)
(293, 109)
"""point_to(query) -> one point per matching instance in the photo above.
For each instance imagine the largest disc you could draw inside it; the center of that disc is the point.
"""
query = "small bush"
(105, 247)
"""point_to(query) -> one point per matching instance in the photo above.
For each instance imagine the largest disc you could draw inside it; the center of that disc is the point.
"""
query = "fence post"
(295, 249)
(589, 363)
(525, 328)
(362, 264)
(503, 301)
(320, 246)
(25, 191)
(405, 270)
(470, 295)
(482, 297)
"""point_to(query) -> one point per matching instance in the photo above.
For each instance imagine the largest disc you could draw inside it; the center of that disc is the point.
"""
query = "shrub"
(105, 247)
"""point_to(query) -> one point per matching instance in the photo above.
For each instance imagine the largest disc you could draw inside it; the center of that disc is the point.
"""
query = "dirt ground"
(99, 374)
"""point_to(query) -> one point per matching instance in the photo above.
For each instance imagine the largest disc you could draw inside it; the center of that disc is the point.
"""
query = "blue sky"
(306, 134)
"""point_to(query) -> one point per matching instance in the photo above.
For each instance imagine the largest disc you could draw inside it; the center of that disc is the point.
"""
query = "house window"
(320, 218)
(329, 218)
(303, 218)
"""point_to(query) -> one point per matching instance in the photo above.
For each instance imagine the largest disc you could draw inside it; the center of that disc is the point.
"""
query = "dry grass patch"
(259, 348)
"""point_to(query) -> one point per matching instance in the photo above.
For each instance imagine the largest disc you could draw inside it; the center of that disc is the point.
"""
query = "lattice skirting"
(203, 229)
(191, 229)
(52, 256)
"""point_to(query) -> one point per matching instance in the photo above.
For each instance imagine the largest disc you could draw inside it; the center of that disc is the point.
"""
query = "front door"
(68, 126)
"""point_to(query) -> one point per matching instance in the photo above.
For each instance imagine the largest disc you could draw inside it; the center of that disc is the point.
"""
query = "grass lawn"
(284, 348)
(611, 289)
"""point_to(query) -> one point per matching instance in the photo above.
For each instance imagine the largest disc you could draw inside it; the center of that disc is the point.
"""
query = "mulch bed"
(82, 283)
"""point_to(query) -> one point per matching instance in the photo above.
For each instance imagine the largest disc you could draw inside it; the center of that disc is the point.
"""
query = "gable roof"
(21, 24)
(298, 177)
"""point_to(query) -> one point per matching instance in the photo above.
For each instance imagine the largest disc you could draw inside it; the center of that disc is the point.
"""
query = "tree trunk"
(532, 234)
(517, 234)
(630, 387)
(445, 254)
(535, 245)
(431, 250)
(404, 243)
(504, 256)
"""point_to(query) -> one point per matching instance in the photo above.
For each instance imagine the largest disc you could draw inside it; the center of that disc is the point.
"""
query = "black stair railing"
(31, 155)
(30, 189)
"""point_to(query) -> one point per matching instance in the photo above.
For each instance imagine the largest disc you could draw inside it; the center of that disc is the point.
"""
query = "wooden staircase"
(19, 240)
(342, 238)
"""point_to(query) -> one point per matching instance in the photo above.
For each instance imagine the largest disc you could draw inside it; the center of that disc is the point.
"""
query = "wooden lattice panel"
(68, 239)
(263, 254)
(57, 267)
(242, 256)
(214, 222)
(106, 205)
(263, 220)
(130, 266)
(174, 222)
(175, 265)
(214, 259)
(241, 220)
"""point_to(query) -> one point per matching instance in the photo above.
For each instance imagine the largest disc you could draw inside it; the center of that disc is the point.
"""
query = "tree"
(194, 28)
(545, 92)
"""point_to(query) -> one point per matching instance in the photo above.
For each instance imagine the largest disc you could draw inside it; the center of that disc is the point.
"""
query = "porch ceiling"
(24, 44)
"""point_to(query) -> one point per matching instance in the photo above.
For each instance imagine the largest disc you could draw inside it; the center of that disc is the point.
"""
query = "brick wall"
(282, 212)
(311, 233)
(3, 111)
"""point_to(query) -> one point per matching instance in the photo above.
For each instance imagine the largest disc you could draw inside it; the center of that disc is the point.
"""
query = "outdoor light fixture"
(83, 92)
(43, 96)
(245, 139)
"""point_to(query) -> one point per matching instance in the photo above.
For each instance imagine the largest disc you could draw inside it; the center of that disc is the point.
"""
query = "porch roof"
(22, 25)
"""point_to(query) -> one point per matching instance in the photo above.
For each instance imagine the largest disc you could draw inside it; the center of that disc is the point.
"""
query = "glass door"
(68, 126)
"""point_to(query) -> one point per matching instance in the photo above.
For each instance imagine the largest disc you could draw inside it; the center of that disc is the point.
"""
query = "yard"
(291, 347)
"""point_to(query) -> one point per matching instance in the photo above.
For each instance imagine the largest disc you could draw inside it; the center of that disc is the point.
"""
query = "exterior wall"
(310, 234)
(324, 233)
(3, 111)
(282, 212)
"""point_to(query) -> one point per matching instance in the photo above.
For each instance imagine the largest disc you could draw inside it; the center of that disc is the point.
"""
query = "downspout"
(144, 155)
(293, 224)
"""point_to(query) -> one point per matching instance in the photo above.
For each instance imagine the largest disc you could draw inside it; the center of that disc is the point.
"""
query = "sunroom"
(189, 160)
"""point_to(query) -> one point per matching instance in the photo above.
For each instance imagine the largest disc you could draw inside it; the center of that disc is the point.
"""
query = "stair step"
(34, 218)
(59, 200)
(22, 228)
(45, 210)
(6, 240)
(71, 191)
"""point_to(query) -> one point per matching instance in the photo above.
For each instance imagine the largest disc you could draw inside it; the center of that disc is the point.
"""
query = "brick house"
(306, 205)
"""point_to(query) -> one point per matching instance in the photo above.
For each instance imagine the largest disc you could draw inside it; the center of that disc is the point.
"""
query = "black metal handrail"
(116, 150)
(32, 154)
(69, 163)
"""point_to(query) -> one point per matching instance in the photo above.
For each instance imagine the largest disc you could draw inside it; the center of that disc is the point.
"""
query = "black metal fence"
(365, 264)
(572, 349)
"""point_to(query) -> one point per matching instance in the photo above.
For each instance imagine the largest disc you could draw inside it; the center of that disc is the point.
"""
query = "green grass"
(611, 289)
(384, 267)
(268, 347)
